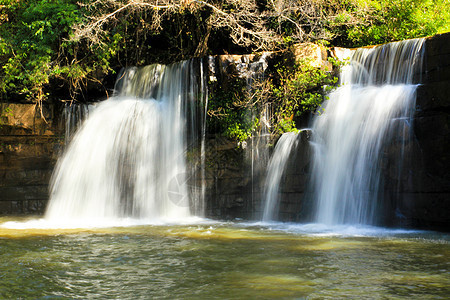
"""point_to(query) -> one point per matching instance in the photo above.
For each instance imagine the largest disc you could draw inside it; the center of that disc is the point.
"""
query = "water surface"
(211, 260)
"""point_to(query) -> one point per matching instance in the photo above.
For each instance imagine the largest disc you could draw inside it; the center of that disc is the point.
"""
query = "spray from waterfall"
(374, 103)
(128, 159)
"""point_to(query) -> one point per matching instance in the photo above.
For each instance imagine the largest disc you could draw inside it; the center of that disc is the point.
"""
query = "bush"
(32, 37)
(289, 90)
(394, 20)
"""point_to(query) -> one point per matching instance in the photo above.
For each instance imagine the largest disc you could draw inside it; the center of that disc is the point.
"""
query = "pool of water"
(214, 260)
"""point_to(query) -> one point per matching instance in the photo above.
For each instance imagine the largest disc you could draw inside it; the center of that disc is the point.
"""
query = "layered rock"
(30, 139)
(425, 198)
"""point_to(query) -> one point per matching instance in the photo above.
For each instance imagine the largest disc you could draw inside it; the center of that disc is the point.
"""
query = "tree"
(258, 25)
(48, 45)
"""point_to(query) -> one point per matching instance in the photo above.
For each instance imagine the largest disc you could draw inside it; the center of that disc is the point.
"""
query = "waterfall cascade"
(128, 159)
(74, 115)
(275, 172)
(373, 105)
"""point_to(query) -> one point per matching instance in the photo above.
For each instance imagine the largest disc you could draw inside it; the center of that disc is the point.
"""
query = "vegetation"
(231, 110)
(63, 49)
(371, 22)
(35, 49)
(297, 88)
(30, 32)
(286, 92)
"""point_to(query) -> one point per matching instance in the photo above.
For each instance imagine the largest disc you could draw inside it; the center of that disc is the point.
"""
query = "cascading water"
(74, 115)
(275, 171)
(374, 103)
(128, 159)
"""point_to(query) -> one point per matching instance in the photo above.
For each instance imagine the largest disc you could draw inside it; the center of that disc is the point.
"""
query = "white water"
(128, 159)
(275, 170)
(74, 115)
(374, 104)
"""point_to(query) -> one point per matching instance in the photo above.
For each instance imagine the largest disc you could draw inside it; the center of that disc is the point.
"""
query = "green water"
(222, 261)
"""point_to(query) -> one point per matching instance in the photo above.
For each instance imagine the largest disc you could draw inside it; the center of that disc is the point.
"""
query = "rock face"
(315, 54)
(29, 145)
(425, 198)
(421, 198)
(229, 181)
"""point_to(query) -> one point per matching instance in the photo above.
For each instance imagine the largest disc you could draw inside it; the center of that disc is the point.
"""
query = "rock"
(312, 53)
(29, 147)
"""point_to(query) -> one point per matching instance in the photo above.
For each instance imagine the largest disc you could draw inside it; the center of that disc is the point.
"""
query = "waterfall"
(373, 105)
(275, 170)
(74, 115)
(128, 159)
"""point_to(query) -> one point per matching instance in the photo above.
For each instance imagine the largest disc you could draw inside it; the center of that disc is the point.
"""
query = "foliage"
(48, 45)
(270, 25)
(294, 91)
(35, 48)
(391, 20)
(31, 38)
(229, 109)
(290, 90)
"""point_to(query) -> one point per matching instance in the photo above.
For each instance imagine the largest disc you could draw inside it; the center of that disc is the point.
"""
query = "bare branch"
(249, 25)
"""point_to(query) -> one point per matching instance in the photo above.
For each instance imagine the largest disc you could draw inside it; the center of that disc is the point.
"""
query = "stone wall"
(29, 145)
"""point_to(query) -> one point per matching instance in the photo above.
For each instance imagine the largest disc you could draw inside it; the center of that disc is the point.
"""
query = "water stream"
(374, 103)
(275, 170)
(74, 115)
(128, 159)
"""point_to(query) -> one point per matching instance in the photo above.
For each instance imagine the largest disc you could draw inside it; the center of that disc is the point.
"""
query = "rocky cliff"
(30, 140)
(425, 198)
